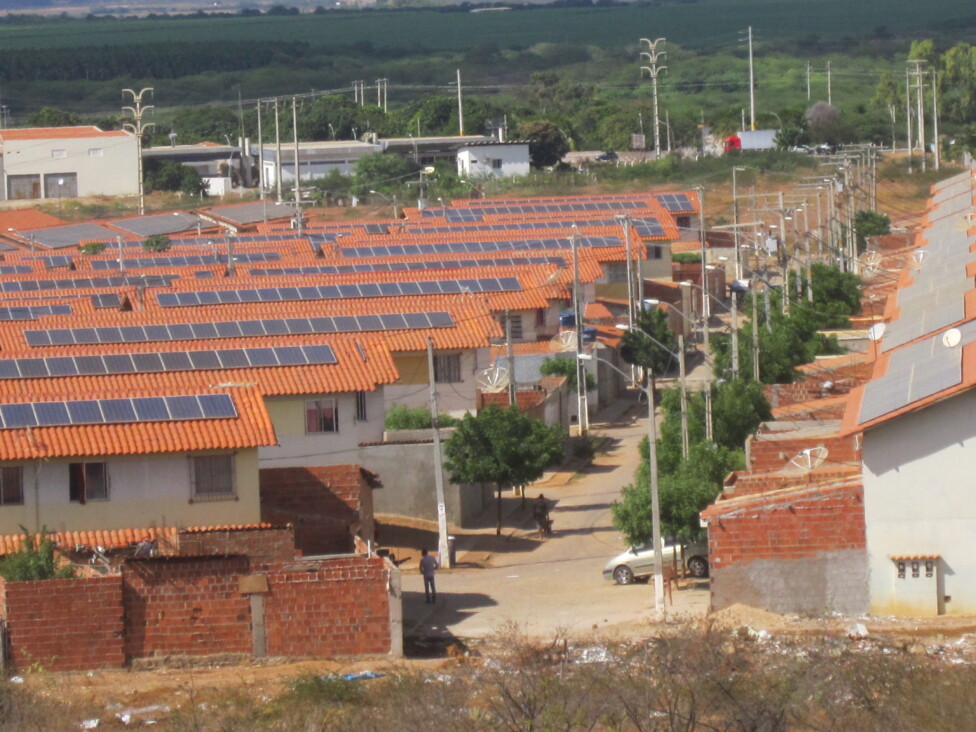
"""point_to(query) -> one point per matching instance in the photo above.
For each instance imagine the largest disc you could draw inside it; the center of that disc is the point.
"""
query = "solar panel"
(360, 252)
(15, 269)
(117, 411)
(106, 300)
(188, 260)
(128, 363)
(87, 283)
(675, 202)
(58, 261)
(32, 312)
(333, 292)
(648, 227)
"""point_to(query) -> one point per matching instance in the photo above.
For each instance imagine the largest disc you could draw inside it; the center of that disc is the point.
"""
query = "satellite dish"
(493, 380)
(951, 338)
(876, 331)
(920, 256)
(870, 262)
(564, 341)
(809, 459)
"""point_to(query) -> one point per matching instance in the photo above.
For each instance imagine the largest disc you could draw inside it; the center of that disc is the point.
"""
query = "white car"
(638, 562)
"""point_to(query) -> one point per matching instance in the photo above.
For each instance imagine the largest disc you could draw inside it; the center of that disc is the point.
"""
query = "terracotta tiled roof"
(251, 428)
(26, 219)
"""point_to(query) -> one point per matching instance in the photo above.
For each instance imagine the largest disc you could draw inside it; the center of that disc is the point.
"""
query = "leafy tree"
(547, 143)
(399, 417)
(35, 560)
(168, 175)
(92, 247)
(384, 173)
(888, 94)
(156, 243)
(826, 124)
(53, 117)
(792, 136)
(205, 124)
(506, 447)
(869, 223)
(637, 348)
(560, 366)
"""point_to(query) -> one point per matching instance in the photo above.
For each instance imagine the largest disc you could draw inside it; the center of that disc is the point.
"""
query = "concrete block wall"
(801, 551)
(185, 606)
(326, 505)
(64, 625)
(338, 608)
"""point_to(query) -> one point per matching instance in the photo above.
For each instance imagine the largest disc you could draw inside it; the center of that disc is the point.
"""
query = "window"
(496, 164)
(321, 415)
(655, 251)
(95, 152)
(447, 368)
(87, 482)
(213, 477)
(11, 486)
(361, 406)
(59, 154)
(540, 317)
(615, 271)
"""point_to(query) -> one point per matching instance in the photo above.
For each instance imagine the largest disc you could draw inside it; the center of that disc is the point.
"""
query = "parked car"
(638, 562)
(607, 156)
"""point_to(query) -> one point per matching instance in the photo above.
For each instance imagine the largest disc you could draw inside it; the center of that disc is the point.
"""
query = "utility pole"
(920, 113)
(830, 91)
(264, 197)
(808, 81)
(582, 406)
(298, 176)
(735, 335)
(684, 396)
(136, 128)
(442, 547)
(752, 86)
(460, 105)
(277, 152)
(935, 117)
(652, 55)
(908, 116)
(512, 399)
(706, 305)
(755, 335)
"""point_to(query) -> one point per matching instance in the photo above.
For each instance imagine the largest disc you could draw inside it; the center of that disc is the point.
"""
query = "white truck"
(751, 140)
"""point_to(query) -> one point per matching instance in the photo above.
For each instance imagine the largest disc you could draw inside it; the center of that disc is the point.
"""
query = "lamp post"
(393, 200)
(659, 608)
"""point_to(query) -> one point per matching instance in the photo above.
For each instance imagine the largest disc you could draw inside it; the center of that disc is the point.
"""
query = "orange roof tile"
(26, 219)
(59, 133)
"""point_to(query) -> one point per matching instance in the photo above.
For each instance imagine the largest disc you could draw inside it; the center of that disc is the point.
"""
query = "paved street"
(554, 585)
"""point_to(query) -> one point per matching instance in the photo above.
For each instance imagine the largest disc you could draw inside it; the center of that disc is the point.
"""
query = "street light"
(60, 184)
(396, 215)
(659, 608)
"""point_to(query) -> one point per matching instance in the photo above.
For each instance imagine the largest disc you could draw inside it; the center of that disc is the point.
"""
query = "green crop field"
(691, 24)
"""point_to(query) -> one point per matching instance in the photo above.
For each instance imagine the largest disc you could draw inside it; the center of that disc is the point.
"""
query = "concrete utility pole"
(808, 81)
(298, 172)
(752, 86)
(830, 90)
(908, 116)
(442, 548)
(261, 181)
(460, 106)
(582, 406)
(136, 127)
(935, 118)
(652, 55)
(917, 74)
(277, 152)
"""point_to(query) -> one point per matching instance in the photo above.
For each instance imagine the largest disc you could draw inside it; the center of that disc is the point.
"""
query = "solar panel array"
(237, 329)
(337, 269)
(200, 241)
(58, 261)
(376, 228)
(86, 283)
(117, 411)
(147, 363)
(190, 260)
(337, 292)
(526, 226)
(106, 300)
(15, 269)
(647, 228)
(675, 202)
(476, 214)
(32, 312)
(407, 250)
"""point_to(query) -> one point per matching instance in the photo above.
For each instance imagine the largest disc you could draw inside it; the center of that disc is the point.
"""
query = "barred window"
(447, 368)
(321, 415)
(213, 477)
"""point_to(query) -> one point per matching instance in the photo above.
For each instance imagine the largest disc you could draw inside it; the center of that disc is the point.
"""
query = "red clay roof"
(55, 133)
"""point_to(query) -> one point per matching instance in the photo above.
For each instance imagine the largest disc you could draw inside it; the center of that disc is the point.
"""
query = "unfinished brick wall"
(798, 551)
(338, 608)
(185, 606)
(772, 452)
(64, 625)
(746, 483)
(262, 545)
(326, 505)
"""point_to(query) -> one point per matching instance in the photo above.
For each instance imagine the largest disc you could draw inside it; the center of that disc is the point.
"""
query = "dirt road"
(554, 585)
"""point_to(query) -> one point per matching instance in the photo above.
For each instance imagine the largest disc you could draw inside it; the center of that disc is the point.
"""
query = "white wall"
(478, 161)
(143, 491)
(111, 172)
(412, 390)
(919, 499)
(296, 448)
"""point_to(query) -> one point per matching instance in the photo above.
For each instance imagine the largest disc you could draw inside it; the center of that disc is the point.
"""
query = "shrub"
(35, 560)
(92, 247)
(157, 243)
(400, 417)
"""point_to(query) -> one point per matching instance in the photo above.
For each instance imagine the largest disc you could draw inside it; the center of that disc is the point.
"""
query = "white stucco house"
(68, 162)
(493, 159)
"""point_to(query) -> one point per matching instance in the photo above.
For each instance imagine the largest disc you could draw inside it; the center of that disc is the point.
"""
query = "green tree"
(506, 447)
(869, 223)
(547, 143)
(399, 417)
(90, 248)
(560, 366)
(53, 117)
(156, 243)
(384, 173)
(205, 124)
(637, 348)
(35, 560)
(888, 94)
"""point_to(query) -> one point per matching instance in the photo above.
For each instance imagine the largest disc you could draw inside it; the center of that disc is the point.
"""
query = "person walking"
(429, 565)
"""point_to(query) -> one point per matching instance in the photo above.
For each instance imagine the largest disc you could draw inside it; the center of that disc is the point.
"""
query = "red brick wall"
(262, 546)
(791, 526)
(342, 608)
(771, 452)
(746, 483)
(65, 625)
(324, 504)
(185, 606)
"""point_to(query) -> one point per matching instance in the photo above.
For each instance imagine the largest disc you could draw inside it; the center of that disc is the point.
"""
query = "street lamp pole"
(659, 608)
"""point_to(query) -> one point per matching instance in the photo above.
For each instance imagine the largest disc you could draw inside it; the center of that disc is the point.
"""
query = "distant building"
(67, 162)
(492, 159)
